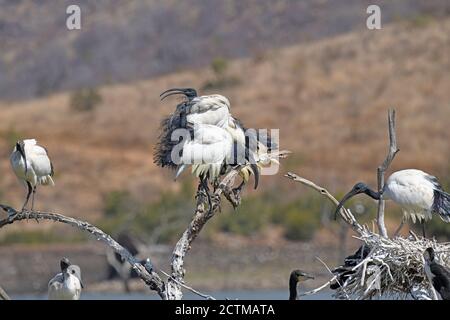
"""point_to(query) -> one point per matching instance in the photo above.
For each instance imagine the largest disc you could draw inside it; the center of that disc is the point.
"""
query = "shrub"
(300, 225)
(11, 136)
(85, 99)
(219, 66)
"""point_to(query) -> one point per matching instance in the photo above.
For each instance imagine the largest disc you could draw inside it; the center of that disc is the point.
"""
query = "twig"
(329, 270)
(345, 213)
(393, 149)
(3, 294)
(150, 277)
(203, 295)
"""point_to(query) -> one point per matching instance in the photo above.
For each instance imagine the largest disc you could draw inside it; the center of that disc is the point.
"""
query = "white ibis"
(211, 151)
(212, 110)
(67, 284)
(296, 277)
(438, 274)
(32, 166)
(418, 193)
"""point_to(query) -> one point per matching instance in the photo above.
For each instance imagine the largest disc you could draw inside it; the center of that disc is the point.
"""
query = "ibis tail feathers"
(441, 204)
(46, 181)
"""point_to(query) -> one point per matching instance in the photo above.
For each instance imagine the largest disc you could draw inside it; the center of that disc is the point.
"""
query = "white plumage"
(418, 193)
(31, 164)
(214, 131)
(414, 191)
(212, 109)
(210, 148)
(67, 284)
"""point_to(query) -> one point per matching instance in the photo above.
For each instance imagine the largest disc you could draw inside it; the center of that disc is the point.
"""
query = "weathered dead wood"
(3, 294)
(147, 274)
(393, 149)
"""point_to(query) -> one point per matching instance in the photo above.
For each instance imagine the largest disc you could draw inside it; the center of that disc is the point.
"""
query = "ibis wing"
(40, 161)
(211, 144)
(441, 204)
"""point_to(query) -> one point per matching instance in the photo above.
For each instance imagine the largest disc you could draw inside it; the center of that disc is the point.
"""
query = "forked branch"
(393, 149)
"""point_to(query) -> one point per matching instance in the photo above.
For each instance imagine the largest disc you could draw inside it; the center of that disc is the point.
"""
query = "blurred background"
(310, 68)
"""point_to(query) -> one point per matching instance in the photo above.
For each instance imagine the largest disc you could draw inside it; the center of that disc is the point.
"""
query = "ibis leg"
(204, 184)
(30, 189)
(423, 229)
(32, 201)
(399, 227)
(32, 198)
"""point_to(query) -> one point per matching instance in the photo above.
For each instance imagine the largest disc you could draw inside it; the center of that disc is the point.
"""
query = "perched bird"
(210, 126)
(32, 166)
(66, 285)
(345, 271)
(439, 275)
(296, 277)
(418, 193)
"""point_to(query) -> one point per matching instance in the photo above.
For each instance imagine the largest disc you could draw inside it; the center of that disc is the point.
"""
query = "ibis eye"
(73, 271)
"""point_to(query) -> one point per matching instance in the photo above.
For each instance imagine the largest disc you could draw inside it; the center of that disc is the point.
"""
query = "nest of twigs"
(393, 268)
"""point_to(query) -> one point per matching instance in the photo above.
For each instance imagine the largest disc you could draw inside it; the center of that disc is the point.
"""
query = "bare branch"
(3, 294)
(147, 274)
(393, 149)
(200, 218)
(345, 213)
(203, 295)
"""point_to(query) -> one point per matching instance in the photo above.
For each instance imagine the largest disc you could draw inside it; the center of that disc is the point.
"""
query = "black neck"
(373, 194)
(292, 288)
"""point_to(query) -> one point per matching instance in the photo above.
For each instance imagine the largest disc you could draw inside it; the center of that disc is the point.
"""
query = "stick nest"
(394, 268)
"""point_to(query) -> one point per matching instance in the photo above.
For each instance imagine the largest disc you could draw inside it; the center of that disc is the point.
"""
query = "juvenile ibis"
(67, 284)
(438, 274)
(418, 193)
(296, 277)
(32, 166)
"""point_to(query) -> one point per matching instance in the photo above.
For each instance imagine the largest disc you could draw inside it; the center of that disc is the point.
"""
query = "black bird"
(439, 275)
(343, 272)
(296, 277)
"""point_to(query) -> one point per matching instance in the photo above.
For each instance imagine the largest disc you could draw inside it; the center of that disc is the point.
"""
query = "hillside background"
(309, 68)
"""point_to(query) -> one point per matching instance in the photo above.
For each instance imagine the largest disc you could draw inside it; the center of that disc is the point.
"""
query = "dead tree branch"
(201, 216)
(345, 213)
(3, 294)
(393, 149)
(148, 275)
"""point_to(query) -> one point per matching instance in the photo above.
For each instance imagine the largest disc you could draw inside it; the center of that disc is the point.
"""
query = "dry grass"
(329, 99)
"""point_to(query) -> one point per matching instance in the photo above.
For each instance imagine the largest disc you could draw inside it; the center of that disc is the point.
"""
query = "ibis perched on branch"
(211, 140)
(419, 194)
(32, 166)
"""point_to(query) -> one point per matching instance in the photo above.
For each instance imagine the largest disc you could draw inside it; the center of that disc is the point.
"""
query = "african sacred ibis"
(296, 277)
(67, 284)
(32, 166)
(213, 111)
(438, 274)
(418, 193)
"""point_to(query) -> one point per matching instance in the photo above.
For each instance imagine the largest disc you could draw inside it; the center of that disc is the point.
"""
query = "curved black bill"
(343, 201)
(188, 92)
(255, 171)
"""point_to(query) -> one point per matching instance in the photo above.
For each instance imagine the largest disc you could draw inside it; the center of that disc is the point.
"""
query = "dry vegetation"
(329, 98)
